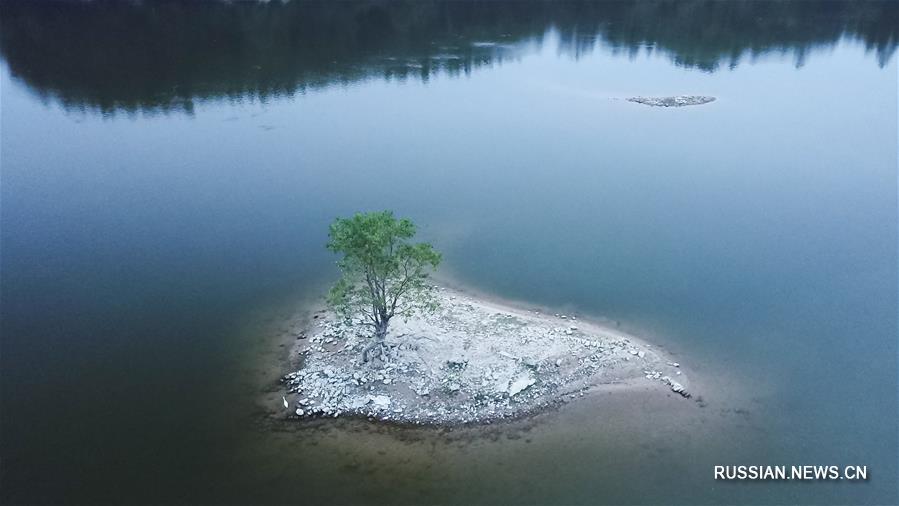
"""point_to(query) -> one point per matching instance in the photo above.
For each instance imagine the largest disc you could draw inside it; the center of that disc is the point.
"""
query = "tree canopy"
(383, 274)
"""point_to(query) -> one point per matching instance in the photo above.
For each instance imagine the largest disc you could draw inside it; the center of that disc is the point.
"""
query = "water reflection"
(160, 57)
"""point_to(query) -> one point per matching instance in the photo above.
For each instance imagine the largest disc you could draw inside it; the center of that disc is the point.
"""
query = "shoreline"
(478, 360)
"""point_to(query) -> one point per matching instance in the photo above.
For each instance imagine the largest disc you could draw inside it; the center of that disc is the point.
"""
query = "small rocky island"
(676, 101)
(469, 361)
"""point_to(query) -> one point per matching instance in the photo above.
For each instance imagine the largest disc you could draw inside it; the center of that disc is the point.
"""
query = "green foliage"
(382, 274)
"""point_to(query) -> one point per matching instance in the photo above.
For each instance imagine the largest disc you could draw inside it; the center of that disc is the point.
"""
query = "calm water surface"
(169, 171)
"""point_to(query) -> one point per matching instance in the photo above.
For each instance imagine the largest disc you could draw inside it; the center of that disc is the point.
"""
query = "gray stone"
(520, 384)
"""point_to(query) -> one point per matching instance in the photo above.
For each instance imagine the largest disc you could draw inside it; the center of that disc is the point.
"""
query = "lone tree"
(382, 274)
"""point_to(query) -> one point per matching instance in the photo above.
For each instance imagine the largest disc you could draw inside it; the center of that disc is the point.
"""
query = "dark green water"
(169, 171)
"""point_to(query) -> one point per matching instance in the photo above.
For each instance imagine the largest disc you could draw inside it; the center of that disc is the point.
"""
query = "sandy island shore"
(472, 361)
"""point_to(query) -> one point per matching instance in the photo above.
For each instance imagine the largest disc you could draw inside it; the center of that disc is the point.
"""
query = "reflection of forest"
(160, 56)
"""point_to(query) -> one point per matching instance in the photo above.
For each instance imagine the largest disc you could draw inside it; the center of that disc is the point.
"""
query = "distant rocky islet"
(675, 101)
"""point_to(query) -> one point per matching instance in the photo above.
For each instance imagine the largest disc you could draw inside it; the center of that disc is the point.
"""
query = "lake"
(169, 171)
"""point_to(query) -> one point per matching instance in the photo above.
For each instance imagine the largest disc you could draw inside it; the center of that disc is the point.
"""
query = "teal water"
(169, 171)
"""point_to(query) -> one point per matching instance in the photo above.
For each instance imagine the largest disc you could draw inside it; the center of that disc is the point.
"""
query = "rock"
(456, 365)
(676, 387)
(357, 402)
(380, 401)
(520, 384)
(300, 412)
(558, 362)
(641, 354)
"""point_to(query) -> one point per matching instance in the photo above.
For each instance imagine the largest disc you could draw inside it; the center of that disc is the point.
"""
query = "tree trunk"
(377, 340)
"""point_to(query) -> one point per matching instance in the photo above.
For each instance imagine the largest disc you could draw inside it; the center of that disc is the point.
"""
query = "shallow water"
(166, 190)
